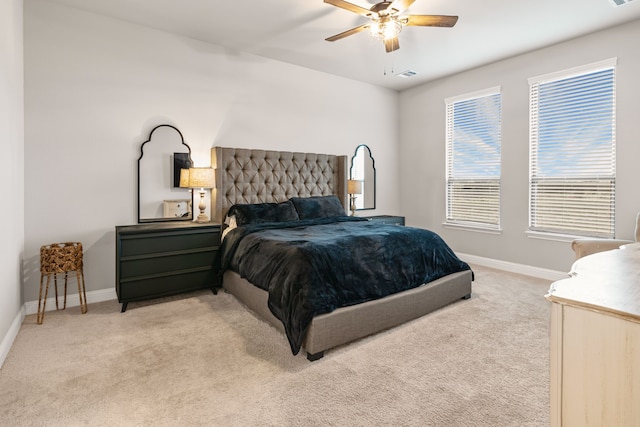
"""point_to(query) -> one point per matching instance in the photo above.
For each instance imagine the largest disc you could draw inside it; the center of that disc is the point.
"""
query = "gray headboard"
(263, 176)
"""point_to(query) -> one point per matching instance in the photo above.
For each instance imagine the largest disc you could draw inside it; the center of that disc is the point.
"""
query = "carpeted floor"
(203, 359)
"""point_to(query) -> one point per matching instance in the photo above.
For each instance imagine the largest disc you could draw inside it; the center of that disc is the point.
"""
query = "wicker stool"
(61, 258)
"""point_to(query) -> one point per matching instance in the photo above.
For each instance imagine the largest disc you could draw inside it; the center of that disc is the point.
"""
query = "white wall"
(95, 87)
(422, 146)
(12, 172)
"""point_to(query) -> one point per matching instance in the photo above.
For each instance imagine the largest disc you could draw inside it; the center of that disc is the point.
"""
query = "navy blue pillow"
(255, 213)
(318, 207)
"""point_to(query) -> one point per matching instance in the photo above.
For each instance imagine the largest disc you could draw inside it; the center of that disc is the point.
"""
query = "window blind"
(473, 159)
(572, 152)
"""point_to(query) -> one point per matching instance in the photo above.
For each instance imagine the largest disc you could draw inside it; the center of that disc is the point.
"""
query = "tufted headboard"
(262, 176)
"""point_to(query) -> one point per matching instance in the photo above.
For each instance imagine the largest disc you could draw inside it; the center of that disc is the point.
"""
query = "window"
(572, 151)
(473, 160)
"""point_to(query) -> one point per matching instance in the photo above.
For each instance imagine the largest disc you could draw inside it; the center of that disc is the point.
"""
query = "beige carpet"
(203, 359)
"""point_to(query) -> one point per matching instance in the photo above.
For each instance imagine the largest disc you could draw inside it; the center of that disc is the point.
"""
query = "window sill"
(477, 229)
(552, 236)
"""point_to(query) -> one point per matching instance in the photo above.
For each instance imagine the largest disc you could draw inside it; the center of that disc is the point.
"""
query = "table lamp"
(353, 187)
(198, 178)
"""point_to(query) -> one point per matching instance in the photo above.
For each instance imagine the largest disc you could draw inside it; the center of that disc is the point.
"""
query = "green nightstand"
(160, 259)
(386, 219)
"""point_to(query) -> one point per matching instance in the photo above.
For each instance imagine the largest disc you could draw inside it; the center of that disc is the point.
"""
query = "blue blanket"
(310, 267)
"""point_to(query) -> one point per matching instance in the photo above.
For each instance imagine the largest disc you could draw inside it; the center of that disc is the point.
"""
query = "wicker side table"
(59, 258)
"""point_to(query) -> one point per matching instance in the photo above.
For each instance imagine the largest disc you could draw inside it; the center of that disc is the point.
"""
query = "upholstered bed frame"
(261, 176)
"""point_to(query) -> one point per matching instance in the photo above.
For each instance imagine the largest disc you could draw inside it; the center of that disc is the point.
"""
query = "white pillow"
(230, 221)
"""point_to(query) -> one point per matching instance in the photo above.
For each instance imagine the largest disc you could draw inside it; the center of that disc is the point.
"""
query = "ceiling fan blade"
(432, 20)
(391, 44)
(347, 33)
(349, 6)
(401, 5)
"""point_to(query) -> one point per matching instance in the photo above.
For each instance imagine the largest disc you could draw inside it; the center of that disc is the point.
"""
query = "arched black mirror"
(363, 169)
(160, 197)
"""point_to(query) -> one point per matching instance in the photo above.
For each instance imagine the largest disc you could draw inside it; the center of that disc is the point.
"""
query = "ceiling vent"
(616, 3)
(407, 74)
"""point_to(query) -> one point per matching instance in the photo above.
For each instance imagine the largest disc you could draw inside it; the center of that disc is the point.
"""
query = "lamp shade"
(184, 178)
(197, 178)
(354, 186)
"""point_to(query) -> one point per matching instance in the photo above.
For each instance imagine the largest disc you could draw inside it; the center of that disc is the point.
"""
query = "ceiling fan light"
(375, 29)
(392, 29)
(385, 29)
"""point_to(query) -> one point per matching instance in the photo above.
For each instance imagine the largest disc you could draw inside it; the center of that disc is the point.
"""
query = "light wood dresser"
(595, 341)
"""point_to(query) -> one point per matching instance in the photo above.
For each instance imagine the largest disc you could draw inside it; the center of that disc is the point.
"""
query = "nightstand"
(386, 219)
(160, 259)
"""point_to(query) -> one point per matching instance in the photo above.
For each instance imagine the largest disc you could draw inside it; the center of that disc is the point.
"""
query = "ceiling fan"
(386, 20)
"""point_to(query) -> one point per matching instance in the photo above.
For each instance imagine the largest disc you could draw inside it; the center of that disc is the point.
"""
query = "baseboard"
(11, 335)
(527, 270)
(31, 307)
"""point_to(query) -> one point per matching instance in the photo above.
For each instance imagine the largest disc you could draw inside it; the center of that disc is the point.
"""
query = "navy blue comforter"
(310, 267)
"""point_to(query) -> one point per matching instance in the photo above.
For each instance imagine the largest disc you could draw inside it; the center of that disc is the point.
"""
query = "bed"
(266, 184)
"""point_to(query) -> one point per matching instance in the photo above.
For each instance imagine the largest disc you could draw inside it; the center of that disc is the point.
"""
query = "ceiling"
(293, 31)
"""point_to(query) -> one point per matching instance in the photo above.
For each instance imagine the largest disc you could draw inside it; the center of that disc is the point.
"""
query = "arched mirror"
(363, 169)
(160, 197)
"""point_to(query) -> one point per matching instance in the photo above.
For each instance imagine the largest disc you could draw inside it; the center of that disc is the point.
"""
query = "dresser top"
(606, 281)
(163, 226)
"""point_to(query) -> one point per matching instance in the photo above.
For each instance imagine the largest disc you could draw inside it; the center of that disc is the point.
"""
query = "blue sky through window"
(575, 126)
(476, 138)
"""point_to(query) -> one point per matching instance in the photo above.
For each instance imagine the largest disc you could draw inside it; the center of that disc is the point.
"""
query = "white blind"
(572, 152)
(473, 159)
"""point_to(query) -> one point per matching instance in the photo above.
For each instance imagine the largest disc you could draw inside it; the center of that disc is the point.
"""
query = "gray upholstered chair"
(584, 247)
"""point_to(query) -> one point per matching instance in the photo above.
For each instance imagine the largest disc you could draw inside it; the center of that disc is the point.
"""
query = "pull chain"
(385, 64)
